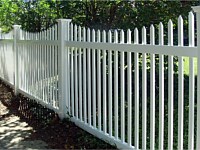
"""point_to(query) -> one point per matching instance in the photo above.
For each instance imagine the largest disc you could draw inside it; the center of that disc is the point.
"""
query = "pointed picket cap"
(104, 36)
(170, 32)
(88, 35)
(109, 36)
(161, 34)
(144, 35)
(25, 35)
(136, 36)
(30, 36)
(47, 34)
(84, 34)
(51, 33)
(122, 36)
(79, 33)
(36, 36)
(180, 31)
(98, 36)
(75, 32)
(115, 36)
(22, 34)
(93, 35)
(72, 31)
(128, 36)
(40, 35)
(56, 32)
(191, 28)
(152, 35)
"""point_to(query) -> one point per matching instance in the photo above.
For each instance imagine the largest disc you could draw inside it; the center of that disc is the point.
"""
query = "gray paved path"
(14, 133)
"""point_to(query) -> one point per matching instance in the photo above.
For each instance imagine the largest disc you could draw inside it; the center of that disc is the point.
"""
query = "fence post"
(63, 67)
(197, 11)
(16, 36)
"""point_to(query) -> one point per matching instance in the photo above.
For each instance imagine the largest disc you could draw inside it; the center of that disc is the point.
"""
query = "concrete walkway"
(14, 133)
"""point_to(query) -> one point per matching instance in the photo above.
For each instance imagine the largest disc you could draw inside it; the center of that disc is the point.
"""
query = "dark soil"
(46, 124)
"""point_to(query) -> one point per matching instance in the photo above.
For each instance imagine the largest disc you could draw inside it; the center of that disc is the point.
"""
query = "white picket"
(53, 69)
(53, 66)
(26, 68)
(110, 83)
(48, 67)
(84, 79)
(122, 89)
(75, 74)
(56, 63)
(80, 76)
(129, 76)
(191, 85)
(180, 86)
(170, 95)
(89, 79)
(40, 49)
(144, 92)
(161, 85)
(152, 91)
(45, 70)
(136, 80)
(37, 68)
(72, 71)
(104, 86)
(99, 80)
(56, 60)
(94, 79)
(116, 85)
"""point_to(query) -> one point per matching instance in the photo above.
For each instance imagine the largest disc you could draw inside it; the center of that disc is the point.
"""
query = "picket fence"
(101, 80)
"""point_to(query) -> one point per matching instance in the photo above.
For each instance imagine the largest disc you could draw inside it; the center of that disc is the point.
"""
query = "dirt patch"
(41, 126)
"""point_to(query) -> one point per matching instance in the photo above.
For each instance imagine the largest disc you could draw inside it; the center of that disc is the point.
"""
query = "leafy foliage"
(35, 15)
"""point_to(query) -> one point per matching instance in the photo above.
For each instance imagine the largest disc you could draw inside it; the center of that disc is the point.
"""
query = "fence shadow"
(47, 126)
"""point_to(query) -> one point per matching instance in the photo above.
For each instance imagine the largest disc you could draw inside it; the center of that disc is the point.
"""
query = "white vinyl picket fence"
(106, 80)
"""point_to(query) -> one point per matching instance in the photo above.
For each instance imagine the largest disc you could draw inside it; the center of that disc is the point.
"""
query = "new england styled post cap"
(16, 26)
(64, 20)
(196, 8)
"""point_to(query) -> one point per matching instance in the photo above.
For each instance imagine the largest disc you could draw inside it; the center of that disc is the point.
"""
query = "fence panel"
(7, 68)
(125, 86)
(38, 66)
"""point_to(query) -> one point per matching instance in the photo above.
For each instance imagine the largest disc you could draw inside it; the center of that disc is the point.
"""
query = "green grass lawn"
(187, 65)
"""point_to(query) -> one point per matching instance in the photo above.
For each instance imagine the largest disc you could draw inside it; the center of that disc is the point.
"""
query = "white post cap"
(64, 20)
(196, 8)
(16, 26)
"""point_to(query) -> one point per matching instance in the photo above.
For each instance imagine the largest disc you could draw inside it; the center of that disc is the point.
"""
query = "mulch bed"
(46, 124)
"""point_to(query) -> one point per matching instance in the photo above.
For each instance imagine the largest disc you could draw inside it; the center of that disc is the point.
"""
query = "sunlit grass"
(187, 65)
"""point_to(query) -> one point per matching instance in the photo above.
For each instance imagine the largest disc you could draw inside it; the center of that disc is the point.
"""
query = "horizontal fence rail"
(136, 89)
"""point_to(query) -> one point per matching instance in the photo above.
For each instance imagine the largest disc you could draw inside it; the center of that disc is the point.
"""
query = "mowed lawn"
(187, 66)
